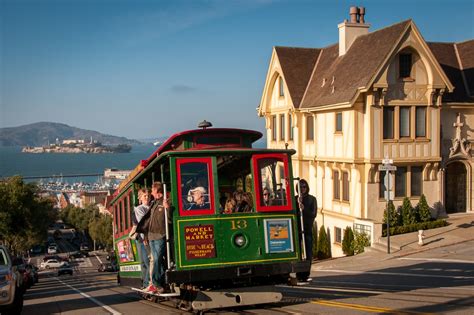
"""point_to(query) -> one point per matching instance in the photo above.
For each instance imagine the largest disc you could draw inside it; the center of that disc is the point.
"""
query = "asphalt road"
(436, 281)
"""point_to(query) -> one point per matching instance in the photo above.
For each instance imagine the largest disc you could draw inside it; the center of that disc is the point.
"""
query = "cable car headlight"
(239, 240)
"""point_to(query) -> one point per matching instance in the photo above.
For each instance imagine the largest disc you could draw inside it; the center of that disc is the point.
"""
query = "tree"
(100, 229)
(424, 212)
(408, 213)
(394, 220)
(361, 241)
(348, 242)
(24, 215)
(324, 245)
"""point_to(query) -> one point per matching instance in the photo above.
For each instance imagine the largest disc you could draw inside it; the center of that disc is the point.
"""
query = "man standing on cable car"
(156, 239)
(310, 207)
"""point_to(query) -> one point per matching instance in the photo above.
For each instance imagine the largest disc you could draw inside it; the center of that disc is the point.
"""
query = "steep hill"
(41, 133)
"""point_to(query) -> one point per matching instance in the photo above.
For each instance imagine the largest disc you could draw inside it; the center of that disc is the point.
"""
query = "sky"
(151, 68)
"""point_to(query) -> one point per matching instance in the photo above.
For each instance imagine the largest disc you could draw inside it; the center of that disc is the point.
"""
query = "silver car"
(11, 288)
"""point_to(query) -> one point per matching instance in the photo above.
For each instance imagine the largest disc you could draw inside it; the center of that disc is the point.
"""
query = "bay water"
(14, 162)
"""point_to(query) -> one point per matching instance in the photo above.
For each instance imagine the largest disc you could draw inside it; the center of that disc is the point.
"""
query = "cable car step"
(236, 297)
(167, 294)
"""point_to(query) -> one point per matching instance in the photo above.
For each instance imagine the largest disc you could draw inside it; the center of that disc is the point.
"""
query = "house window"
(310, 127)
(282, 87)
(404, 122)
(282, 127)
(290, 124)
(336, 187)
(388, 116)
(345, 186)
(416, 181)
(337, 235)
(420, 129)
(338, 122)
(274, 128)
(382, 187)
(405, 64)
(401, 182)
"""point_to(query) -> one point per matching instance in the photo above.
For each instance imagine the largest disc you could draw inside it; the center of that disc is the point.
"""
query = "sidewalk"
(459, 230)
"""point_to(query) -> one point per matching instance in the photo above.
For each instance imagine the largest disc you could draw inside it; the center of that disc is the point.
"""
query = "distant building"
(374, 95)
(93, 197)
(73, 141)
(63, 200)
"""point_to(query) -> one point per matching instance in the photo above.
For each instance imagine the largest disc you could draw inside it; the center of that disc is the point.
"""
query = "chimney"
(350, 30)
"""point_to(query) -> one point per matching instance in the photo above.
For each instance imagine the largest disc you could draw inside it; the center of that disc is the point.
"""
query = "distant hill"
(42, 133)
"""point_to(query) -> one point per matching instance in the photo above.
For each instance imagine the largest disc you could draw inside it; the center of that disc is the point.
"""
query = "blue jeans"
(145, 263)
(157, 265)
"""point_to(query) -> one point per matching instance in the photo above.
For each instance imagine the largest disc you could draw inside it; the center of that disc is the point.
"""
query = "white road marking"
(441, 260)
(108, 308)
(100, 261)
(394, 274)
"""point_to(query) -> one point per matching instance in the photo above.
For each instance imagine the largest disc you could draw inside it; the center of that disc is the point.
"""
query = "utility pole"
(387, 166)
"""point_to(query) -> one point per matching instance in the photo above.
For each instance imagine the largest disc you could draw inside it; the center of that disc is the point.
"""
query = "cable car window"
(195, 187)
(272, 186)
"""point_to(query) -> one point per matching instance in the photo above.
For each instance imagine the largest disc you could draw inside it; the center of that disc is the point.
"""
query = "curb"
(428, 248)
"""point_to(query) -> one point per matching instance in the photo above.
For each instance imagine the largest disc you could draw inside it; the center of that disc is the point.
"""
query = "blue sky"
(145, 69)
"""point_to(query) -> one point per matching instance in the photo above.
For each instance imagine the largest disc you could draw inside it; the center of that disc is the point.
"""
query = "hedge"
(414, 227)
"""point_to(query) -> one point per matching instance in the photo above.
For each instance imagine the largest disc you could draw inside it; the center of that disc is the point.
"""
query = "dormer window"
(282, 88)
(404, 65)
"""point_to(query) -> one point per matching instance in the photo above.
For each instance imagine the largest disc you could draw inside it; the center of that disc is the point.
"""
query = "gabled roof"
(344, 76)
(457, 61)
(352, 70)
(297, 65)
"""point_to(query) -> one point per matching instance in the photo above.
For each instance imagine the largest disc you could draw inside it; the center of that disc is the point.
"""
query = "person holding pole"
(156, 238)
(309, 206)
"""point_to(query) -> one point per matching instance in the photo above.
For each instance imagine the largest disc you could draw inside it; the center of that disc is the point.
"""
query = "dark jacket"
(310, 208)
(156, 226)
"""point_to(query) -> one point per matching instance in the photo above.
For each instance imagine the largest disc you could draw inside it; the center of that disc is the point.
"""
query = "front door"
(456, 180)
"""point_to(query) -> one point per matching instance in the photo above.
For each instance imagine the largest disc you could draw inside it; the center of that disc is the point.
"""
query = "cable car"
(237, 240)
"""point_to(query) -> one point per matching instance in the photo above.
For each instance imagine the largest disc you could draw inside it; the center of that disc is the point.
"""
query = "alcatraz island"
(77, 146)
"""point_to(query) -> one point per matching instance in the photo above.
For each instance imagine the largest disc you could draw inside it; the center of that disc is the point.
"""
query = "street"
(436, 281)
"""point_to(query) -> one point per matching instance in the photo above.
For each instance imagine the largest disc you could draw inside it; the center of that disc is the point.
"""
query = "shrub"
(315, 241)
(348, 242)
(394, 221)
(324, 245)
(408, 213)
(414, 227)
(361, 241)
(424, 212)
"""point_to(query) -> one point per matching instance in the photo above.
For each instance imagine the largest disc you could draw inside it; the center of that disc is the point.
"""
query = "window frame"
(385, 135)
(208, 161)
(406, 109)
(420, 180)
(290, 128)
(309, 131)
(338, 231)
(405, 65)
(282, 127)
(338, 123)
(281, 87)
(425, 108)
(258, 184)
(336, 186)
(345, 186)
(274, 127)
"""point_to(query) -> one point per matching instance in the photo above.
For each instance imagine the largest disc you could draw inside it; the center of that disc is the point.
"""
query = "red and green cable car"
(243, 231)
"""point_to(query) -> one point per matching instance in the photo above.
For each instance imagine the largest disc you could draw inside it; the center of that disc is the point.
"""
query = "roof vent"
(204, 124)
(324, 82)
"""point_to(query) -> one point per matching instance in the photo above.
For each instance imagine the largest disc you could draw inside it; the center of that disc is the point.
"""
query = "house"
(374, 95)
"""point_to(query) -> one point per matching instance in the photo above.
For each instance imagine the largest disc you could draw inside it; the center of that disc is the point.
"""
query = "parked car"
(11, 286)
(84, 246)
(78, 254)
(52, 249)
(52, 263)
(36, 250)
(107, 267)
(65, 269)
